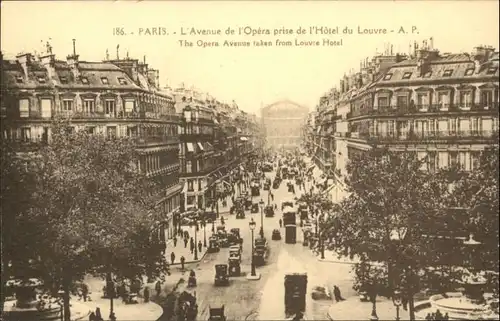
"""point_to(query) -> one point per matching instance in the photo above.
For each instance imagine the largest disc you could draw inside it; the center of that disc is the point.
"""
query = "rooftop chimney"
(25, 61)
(48, 62)
(73, 61)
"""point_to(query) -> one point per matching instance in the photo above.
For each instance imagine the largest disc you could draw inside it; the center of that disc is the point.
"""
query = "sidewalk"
(331, 257)
(353, 309)
(179, 250)
(140, 311)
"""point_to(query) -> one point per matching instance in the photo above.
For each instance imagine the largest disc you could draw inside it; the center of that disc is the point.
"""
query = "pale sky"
(249, 75)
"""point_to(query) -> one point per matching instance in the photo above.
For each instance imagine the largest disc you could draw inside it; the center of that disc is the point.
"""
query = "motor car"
(321, 293)
(276, 236)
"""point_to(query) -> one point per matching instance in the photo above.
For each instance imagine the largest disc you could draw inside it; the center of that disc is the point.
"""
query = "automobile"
(321, 293)
(276, 236)
(221, 274)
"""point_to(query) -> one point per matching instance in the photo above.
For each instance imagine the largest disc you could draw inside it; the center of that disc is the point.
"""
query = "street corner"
(255, 277)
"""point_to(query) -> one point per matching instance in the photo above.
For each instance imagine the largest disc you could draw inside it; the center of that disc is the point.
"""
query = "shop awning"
(190, 147)
(244, 138)
(208, 146)
(200, 146)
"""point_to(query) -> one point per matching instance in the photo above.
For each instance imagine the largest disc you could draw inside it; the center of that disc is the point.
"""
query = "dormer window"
(85, 80)
(63, 80)
(104, 80)
(447, 73)
(428, 74)
(407, 75)
(492, 70)
(41, 79)
(388, 77)
(469, 72)
(19, 79)
(121, 80)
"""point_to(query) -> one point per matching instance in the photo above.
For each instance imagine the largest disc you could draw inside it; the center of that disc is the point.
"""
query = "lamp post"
(396, 300)
(195, 241)
(252, 227)
(261, 203)
(204, 223)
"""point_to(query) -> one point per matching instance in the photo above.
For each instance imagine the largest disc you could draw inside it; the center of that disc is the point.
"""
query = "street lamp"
(252, 225)
(195, 241)
(396, 300)
(261, 203)
(204, 223)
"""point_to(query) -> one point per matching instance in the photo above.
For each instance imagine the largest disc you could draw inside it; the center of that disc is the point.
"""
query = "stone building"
(283, 122)
(215, 138)
(444, 107)
(114, 98)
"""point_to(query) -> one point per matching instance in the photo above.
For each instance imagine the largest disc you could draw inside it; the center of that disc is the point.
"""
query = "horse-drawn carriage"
(187, 309)
(191, 279)
(221, 275)
(234, 260)
(216, 314)
(267, 184)
(255, 208)
(261, 251)
(295, 293)
(269, 211)
(276, 182)
(240, 213)
(213, 244)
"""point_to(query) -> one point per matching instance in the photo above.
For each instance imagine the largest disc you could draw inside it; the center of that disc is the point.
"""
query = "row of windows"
(89, 106)
(446, 73)
(199, 165)
(166, 160)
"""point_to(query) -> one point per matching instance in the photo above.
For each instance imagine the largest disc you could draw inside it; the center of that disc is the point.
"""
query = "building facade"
(283, 122)
(114, 98)
(215, 138)
(444, 107)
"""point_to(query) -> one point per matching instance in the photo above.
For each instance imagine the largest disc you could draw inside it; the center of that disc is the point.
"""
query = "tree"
(93, 208)
(477, 191)
(385, 218)
(15, 200)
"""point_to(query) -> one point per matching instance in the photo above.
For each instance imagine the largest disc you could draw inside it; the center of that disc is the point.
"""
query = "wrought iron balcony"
(428, 136)
(423, 109)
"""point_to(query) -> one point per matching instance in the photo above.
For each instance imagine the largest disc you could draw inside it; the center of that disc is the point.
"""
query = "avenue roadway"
(264, 299)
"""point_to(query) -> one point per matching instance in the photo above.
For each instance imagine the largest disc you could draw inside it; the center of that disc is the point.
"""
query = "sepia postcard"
(249, 160)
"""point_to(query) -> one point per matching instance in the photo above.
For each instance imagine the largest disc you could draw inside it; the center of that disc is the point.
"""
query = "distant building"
(283, 122)
(215, 138)
(115, 98)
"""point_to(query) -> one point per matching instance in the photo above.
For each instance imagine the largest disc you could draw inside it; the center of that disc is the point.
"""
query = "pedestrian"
(183, 260)
(191, 247)
(272, 197)
(404, 301)
(186, 234)
(185, 242)
(172, 258)
(275, 207)
(281, 223)
(175, 241)
(200, 245)
(158, 288)
(85, 292)
(92, 316)
(98, 315)
(112, 316)
(337, 294)
(146, 294)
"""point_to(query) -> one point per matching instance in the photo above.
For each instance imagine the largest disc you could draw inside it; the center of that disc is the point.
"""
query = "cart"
(192, 279)
(213, 245)
(221, 275)
(269, 211)
(216, 314)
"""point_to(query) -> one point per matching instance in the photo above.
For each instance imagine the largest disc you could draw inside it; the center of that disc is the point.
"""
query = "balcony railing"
(423, 109)
(427, 136)
(156, 140)
(35, 114)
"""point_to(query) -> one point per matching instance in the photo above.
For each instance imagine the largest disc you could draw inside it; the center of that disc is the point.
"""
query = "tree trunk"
(66, 297)
(411, 307)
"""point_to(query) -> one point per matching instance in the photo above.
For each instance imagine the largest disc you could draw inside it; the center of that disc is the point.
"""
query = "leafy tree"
(93, 209)
(386, 216)
(15, 200)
